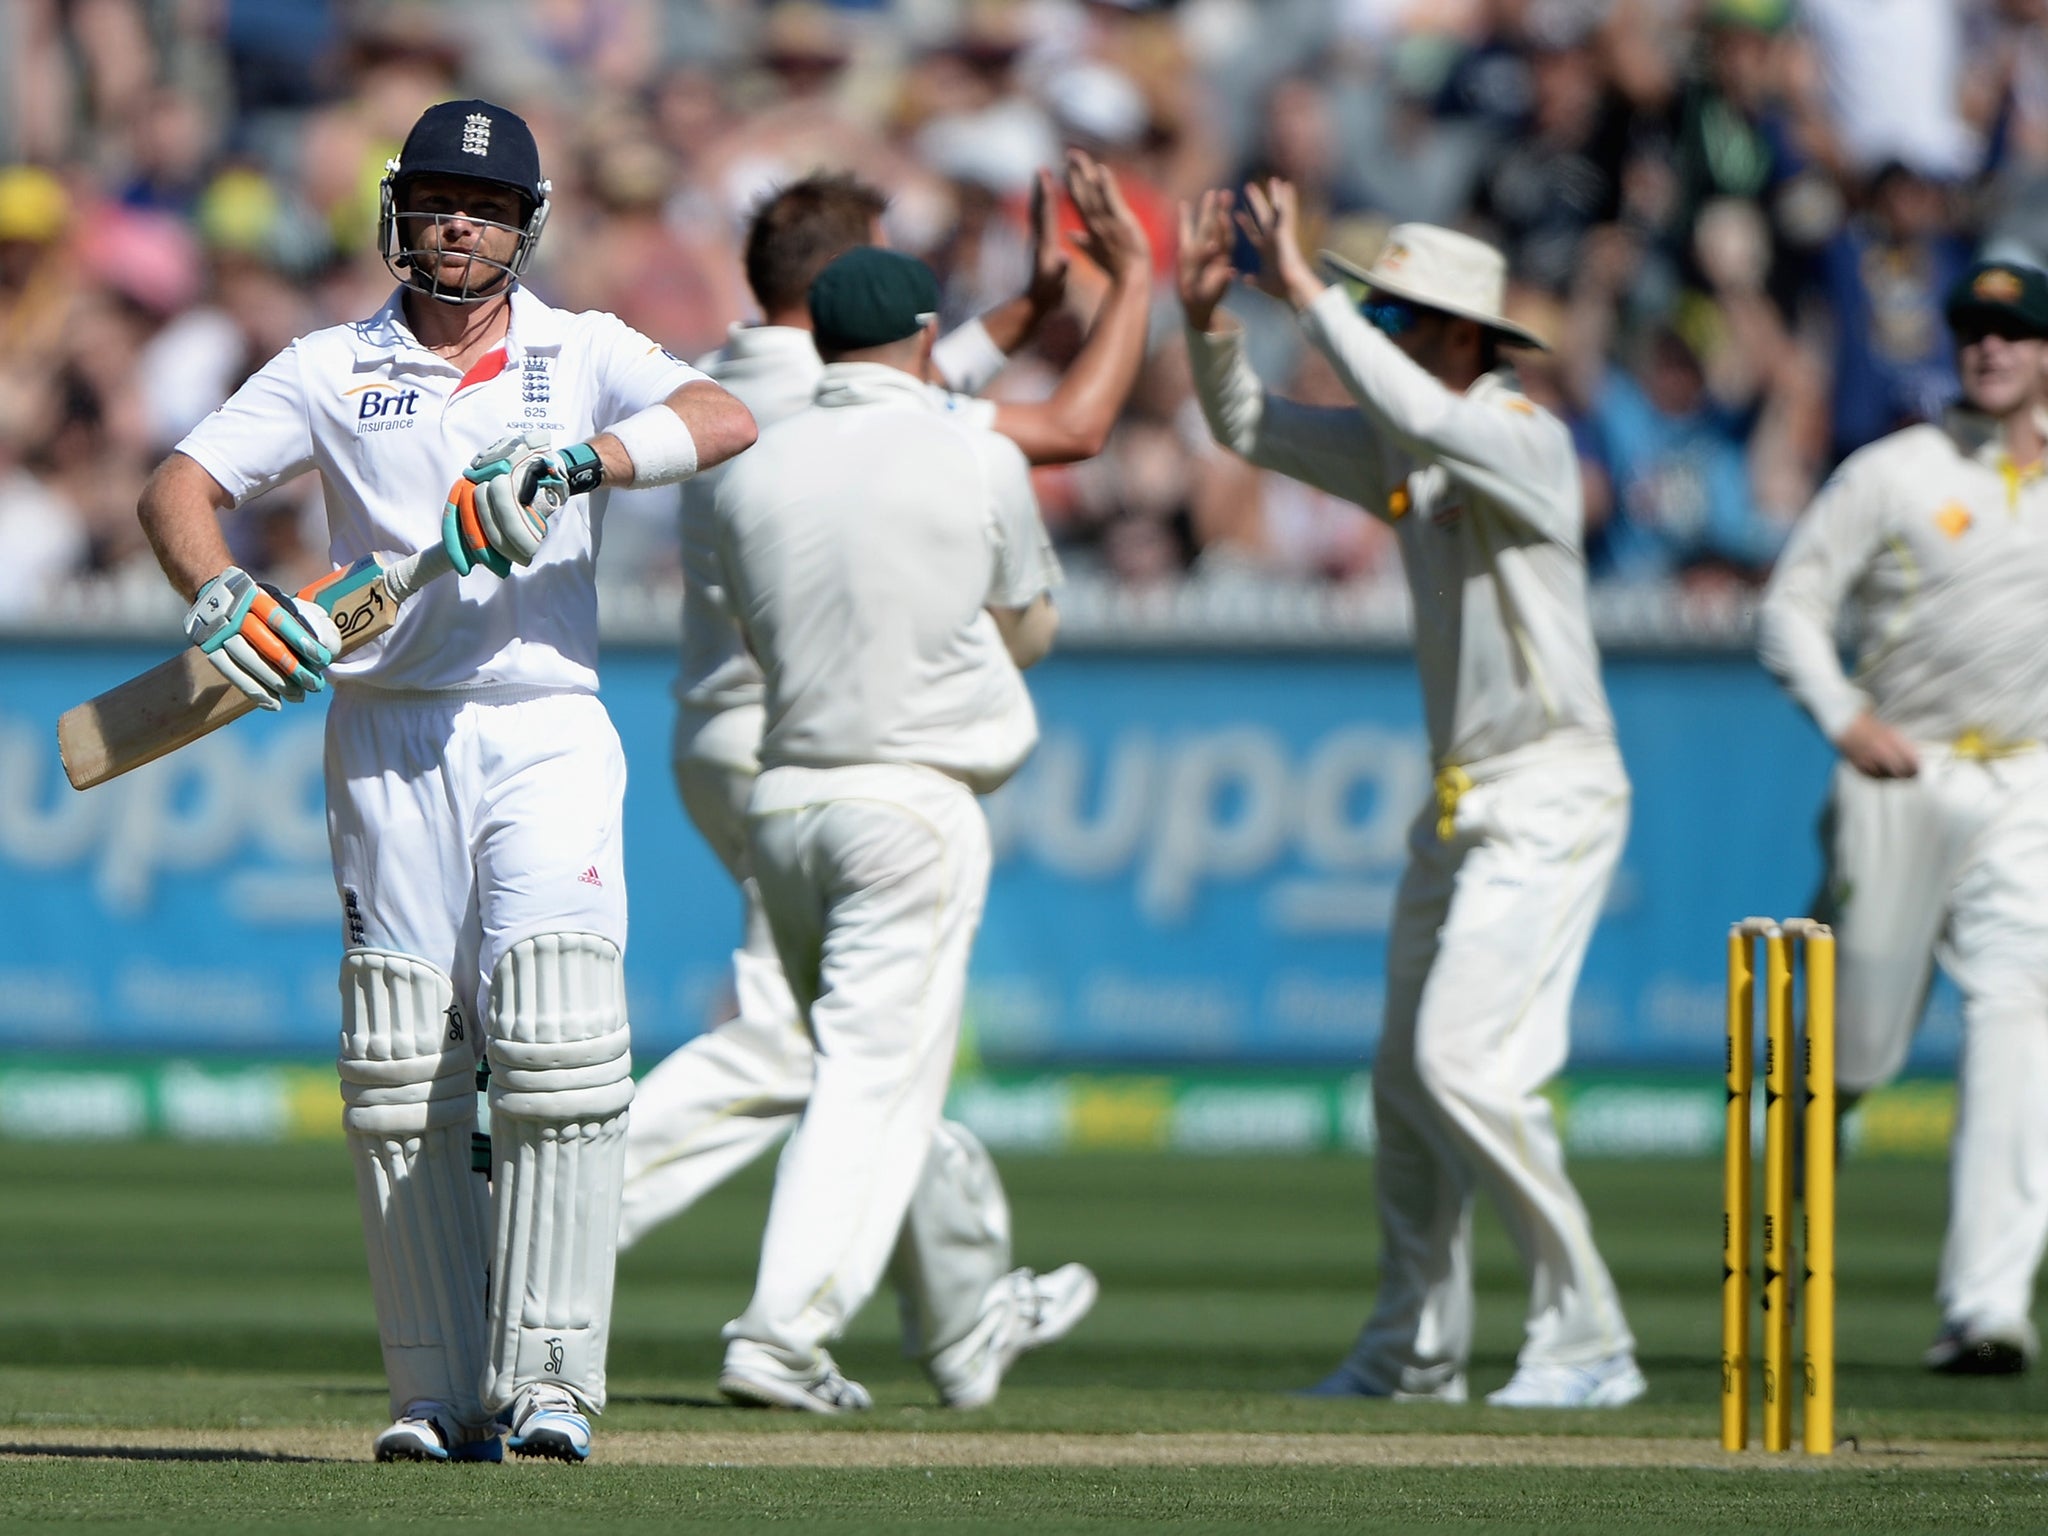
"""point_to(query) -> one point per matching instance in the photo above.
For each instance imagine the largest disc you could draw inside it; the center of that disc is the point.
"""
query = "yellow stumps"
(1777, 1193)
(1740, 1070)
(1817, 1240)
(1813, 1381)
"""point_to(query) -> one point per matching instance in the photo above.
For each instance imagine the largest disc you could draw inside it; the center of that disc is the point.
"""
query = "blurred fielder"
(724, 1099)
(887, 566)
(1937, 829)
(474, 782)
(1508, 868)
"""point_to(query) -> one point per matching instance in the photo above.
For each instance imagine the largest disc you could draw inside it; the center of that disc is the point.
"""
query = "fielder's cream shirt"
(1944, 544)
(774, 370)
(1483, 491)
(860, 543)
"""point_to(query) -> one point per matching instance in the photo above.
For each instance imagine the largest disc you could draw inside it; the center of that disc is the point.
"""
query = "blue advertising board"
(1196, 867)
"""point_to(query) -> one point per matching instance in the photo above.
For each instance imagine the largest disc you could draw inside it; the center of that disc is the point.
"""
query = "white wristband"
(659, 444)
(968, 358)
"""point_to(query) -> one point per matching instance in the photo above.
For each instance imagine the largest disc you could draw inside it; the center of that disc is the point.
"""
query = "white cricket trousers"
(873, 878)
(1490, 929)
(1953, 865)
(728, 1096)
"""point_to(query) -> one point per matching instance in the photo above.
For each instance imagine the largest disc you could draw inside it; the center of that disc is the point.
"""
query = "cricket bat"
(174, 704)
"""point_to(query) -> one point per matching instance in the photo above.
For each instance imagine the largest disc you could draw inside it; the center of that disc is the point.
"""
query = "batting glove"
(273, 647)
(515, 488)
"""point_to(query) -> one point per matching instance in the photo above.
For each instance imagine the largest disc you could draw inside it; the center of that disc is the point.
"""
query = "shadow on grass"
(676, 1400)
(155, 1453)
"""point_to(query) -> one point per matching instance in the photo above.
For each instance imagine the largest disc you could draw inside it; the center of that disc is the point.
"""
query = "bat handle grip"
(404, 577)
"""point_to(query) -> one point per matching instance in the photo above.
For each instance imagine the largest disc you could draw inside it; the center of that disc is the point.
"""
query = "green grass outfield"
(187, 1344)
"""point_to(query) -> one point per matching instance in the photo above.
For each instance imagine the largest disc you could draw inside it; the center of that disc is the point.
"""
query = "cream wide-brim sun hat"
(1441, 269)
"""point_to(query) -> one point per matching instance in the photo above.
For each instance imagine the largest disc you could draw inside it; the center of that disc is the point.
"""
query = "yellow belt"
(1451, 784)
(1974, 746)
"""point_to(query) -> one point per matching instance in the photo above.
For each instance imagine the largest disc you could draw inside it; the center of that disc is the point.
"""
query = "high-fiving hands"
(1271, 221)
(1205, 272)
(1111, 235)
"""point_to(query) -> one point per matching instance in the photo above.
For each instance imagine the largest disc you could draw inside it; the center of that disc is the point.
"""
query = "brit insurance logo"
(384, 407)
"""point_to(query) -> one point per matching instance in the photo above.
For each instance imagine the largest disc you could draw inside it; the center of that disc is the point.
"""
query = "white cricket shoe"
(547, 1421)
(427, 1431)
(1611, 1383)
(755, 1378)
(1349, 1381)
(1021, 1312)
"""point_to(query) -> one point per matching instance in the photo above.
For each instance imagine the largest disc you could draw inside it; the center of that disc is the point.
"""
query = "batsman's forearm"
(180, 512)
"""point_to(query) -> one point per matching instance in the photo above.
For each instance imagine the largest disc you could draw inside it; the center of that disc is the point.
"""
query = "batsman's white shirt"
(1942, 542)
(389, 425)
(1507, 870)
(429, 720)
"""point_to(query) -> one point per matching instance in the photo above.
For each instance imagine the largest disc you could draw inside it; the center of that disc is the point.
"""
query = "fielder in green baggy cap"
(1998, 298)
(870, 297)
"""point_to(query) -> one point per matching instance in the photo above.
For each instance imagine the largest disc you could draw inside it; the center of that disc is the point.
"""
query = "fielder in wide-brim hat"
(1511, 857)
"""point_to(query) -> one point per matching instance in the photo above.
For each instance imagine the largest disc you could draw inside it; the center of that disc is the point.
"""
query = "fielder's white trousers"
(873, 879)
(728, 1096)
(1953, 865)
(1490, 928)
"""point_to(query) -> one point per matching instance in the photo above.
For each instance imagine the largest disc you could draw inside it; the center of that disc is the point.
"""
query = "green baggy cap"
(2000, 295)
(870, 297)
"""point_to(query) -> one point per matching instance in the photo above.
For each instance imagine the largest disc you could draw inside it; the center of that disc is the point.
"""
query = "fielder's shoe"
(546, 1421)
(1611, 1383)
(756, 1379)
(1967, 1351)
(1021, 1312)
(1349, 1381)
(427, 1431)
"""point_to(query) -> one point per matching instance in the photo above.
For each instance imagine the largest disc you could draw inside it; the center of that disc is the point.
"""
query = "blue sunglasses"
(1390, 317)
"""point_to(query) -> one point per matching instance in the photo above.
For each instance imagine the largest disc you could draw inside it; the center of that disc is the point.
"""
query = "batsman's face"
(453, 222)
(2001, 373)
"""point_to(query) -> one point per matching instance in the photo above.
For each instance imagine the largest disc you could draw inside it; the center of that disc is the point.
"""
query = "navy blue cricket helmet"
(480, 141)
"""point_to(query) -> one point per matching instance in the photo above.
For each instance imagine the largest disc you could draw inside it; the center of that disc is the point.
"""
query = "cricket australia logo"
(476, 134)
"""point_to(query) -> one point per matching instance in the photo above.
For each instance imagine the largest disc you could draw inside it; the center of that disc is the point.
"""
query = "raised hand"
(1048, 254)
(1203, 266)
(1271, 220)
(1111, 235)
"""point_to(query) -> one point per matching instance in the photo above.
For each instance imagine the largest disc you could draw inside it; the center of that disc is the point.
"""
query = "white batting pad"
(408, 1088)
(955, 1242)
(561, 1078)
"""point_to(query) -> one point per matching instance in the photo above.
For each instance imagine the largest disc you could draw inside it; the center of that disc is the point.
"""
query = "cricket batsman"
(474, 782)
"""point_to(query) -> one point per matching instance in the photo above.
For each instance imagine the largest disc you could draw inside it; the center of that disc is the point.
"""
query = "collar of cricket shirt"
(1979, 437)
(873, 383)
(386, 339)
(752, 341)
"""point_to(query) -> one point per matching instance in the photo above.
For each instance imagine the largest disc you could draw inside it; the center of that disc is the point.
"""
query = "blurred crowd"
(1735, 219)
